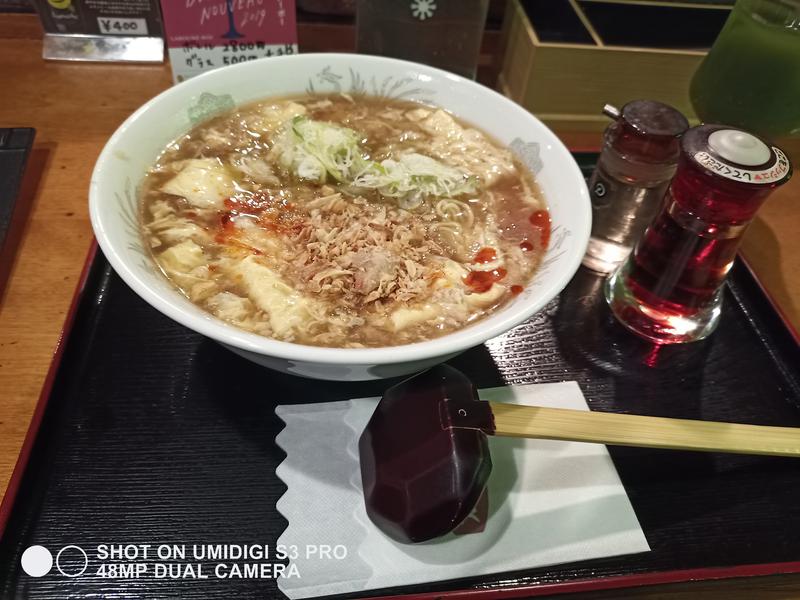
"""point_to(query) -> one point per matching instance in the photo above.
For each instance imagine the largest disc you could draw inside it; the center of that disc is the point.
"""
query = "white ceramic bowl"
(135, 145)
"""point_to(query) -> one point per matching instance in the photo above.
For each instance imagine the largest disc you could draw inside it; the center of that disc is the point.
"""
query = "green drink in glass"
(751, 77)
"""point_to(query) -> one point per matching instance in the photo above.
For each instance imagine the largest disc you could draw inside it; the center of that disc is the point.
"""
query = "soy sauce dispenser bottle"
(669, 290)
(639, 157)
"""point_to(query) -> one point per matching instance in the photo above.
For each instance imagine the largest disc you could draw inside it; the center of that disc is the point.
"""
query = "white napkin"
(549, 502)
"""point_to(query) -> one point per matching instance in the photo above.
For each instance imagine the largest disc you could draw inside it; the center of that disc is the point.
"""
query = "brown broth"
(330, 264)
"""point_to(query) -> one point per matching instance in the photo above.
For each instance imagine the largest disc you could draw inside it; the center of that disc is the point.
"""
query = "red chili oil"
(485, 255)
(541, 220)
(482, 281)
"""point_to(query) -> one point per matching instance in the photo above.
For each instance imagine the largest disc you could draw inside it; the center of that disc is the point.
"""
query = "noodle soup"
(343, 222)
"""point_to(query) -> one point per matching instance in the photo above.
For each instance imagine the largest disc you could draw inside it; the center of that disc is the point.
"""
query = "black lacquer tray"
(149, 433)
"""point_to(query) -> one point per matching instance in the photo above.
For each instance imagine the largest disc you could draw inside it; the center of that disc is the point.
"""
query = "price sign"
(117, 26)
(102, 29)
(204, 35)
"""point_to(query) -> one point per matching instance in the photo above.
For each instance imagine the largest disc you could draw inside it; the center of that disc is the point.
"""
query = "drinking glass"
(751, 76)
(440, 33)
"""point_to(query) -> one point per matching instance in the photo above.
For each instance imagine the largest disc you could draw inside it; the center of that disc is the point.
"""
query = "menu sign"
(207, 34)
(100, 17)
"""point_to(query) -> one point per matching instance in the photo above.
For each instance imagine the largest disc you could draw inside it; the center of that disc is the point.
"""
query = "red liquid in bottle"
(678, 270)
(669, 290)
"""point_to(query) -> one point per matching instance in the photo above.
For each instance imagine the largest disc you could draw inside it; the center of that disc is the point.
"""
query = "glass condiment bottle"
(670, 288)
(638, 159)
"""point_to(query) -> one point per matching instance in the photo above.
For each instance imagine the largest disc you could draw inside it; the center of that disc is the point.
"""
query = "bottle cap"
(736, 155)
(652, 118)
(739, 147)
(646, 131)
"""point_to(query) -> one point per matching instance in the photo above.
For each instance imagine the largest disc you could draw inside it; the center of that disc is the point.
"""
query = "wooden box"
(564, 59)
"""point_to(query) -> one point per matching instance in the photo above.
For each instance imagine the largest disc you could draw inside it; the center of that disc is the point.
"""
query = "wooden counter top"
(75, 108)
